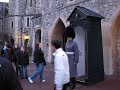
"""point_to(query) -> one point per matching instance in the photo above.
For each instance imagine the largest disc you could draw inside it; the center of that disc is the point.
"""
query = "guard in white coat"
(61, 67)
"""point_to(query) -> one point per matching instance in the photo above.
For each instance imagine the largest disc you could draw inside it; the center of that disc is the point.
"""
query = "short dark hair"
(56, 43)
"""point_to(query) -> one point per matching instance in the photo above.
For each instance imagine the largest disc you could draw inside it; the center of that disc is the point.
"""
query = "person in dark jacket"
(16, 53)
(8, 77)
(39, 63)
(24, 62)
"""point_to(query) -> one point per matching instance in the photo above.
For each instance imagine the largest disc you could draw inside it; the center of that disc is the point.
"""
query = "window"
(11, 24)
(70, 1)
(30, 3)
(28, 22)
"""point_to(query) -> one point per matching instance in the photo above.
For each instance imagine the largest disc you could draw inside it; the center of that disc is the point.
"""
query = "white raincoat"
(61, 66)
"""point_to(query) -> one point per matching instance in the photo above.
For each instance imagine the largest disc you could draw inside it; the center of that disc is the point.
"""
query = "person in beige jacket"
(61, 67)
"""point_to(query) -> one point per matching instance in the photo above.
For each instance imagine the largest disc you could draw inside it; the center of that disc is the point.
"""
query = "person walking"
(24, 62)
(61, 66)
(71, 48)
(8, 77)
(40, 62)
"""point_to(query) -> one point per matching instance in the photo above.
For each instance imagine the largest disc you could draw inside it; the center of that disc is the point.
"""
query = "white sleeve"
(59, 70)
(59, 87)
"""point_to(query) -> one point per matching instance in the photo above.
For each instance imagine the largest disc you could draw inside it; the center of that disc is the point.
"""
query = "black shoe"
(73, 86)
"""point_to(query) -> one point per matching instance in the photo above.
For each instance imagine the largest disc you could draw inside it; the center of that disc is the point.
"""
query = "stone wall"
(117, 71)
(1, 30)
(1, 24)
(21, 7)
(55, 9)
(12, 7)
(3, 13)
(38, 6)
(52, 9)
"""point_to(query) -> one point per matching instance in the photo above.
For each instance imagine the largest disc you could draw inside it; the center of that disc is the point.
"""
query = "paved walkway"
(110, 83)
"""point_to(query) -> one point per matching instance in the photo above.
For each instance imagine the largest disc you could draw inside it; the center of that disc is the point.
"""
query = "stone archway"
(57, 33)
(38, 36)
(116, 46)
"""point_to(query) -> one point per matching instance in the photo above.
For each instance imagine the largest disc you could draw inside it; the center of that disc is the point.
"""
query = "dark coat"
(39, 57)
(2, 52)
(16, 54)
(8, 77)
(24, 58)
(73, 58)
(9, 54)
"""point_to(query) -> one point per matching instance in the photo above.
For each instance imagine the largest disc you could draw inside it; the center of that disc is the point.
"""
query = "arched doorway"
(58, 33)
(38, 36)
(116, 46)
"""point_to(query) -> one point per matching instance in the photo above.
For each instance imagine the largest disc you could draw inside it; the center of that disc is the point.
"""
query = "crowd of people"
(65, 64)
(20, 57)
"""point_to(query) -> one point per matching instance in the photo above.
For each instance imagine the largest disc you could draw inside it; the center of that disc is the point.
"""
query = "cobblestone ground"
(110, 83)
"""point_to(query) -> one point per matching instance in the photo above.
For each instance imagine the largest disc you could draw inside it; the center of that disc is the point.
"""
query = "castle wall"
(52, 10)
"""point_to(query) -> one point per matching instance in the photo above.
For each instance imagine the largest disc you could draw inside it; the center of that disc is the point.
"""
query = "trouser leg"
(16, 67)
(41, 72)
(37, 72)
(58, 87)
(25, 72)
(72, 82)
(64, 86)
(20, 70)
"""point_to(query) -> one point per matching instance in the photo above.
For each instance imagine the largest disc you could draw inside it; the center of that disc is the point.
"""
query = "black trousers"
(72, 82)
(65, 86)
(16, 67)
